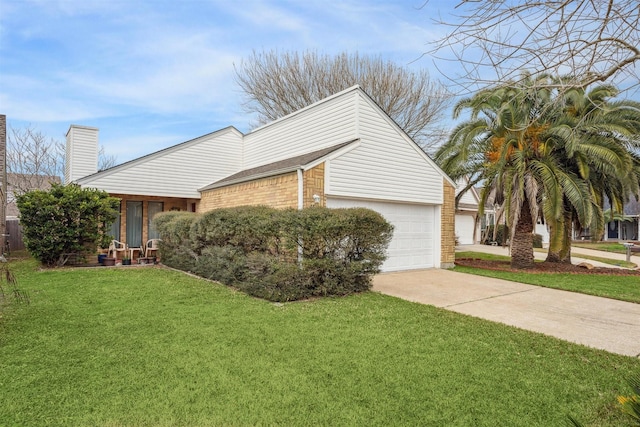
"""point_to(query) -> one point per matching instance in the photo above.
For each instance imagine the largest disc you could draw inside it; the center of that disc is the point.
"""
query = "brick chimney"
(81, 153)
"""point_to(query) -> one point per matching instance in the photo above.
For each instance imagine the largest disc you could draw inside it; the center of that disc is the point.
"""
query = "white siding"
(81, 152)
(387, 165)
(178, 171)
(416, 240)
(468, 198)
(323, 125)
(542, 230)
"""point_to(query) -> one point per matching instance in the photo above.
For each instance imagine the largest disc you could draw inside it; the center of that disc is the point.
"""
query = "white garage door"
(464, 229)
(412, 245)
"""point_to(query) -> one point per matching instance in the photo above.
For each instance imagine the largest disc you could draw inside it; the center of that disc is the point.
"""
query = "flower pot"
(126, 262)
(109, 261)
(101, 258)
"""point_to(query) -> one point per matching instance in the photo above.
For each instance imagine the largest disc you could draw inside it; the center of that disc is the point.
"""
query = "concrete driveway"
(597, 322)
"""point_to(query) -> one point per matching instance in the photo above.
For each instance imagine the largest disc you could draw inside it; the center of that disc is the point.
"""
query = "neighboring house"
(628, 229)
(343, 151)
(19, 183)
(470, 226)
(467, 229)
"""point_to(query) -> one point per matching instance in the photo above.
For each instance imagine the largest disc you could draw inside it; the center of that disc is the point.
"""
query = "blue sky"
(153, 73)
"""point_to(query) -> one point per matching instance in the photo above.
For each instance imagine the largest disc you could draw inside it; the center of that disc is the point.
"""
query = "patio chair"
(151, 248)
(115, 247)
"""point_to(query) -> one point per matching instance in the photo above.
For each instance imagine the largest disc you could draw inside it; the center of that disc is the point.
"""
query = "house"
(468, 230)
(470, 226)
(343, 151)
(627, 229)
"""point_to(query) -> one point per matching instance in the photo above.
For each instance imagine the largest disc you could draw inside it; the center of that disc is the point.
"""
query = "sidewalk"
(597, 322)
(575, 254)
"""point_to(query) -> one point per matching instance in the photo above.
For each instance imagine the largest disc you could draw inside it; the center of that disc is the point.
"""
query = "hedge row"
(279, 255)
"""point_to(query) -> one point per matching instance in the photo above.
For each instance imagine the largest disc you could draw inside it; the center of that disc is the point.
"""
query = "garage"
(464, 229)
(412, 245)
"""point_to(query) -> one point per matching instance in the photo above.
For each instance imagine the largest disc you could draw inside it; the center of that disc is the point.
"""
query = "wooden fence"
(14, 230)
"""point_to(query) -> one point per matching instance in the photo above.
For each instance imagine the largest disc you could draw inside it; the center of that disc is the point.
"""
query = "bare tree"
(34, 160)
(276, 84)
(590, 40)
(105, 161)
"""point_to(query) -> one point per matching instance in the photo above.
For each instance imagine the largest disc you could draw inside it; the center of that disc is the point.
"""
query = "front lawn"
(625, 288)
(154, 347)
(615, 247)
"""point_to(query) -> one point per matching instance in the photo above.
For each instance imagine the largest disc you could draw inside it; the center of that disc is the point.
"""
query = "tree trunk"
(560, 239)
(522, 243)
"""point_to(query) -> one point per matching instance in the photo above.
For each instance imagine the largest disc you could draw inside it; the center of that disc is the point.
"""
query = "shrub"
(501, 235)
(280, 255)
(225, 264)
(175, 246)
(65, 220)
(248, 228)
(537, 240)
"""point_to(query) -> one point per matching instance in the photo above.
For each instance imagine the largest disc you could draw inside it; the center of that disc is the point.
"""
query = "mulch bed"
(544, 267)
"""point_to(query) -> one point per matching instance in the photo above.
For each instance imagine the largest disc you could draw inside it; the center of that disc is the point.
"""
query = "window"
(152, 210)
(134, 224)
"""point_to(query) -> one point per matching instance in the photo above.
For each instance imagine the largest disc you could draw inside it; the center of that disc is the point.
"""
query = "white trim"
(300, 189)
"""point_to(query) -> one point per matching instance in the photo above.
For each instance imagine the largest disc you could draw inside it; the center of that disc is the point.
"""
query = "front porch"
(134, 224)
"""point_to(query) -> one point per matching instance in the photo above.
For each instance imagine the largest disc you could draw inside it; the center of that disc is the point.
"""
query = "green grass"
(610, 261)
(625, 288)
(618, 248)
(153, 347)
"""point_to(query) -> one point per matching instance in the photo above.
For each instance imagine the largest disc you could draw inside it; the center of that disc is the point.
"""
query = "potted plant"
(101, 258)
(126, 260)
(109, 261)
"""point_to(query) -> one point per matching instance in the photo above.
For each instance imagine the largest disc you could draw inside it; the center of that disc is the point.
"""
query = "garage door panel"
(464, 229)
(412, 245)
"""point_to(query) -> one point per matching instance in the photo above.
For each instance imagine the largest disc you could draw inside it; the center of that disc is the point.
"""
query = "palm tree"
(594, 139)
(545, 152)
(502, 147)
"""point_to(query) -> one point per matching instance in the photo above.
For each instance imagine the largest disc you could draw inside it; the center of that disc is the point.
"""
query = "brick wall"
(279, 192)
(448, 233)
(314, 185)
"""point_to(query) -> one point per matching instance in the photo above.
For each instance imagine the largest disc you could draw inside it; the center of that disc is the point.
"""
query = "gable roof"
(469, 200)
(346, 93)
(280, 167)
(86, 179)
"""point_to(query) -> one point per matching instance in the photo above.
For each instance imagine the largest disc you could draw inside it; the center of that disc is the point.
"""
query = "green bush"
(65, 220)
(225, 264)
(175, 246)
(501, 237)
(279, 255)
(248, 228)
(537, 240)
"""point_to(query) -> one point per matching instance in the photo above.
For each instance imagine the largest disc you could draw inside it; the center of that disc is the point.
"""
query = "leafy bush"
(279, 255)
(65, 220)
(175, 246)
(537, 240)
(501, 235)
